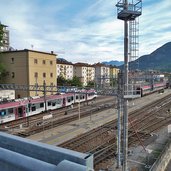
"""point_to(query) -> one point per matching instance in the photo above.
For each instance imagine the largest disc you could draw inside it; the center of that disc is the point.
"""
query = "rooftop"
(82, 64)
(28, 50)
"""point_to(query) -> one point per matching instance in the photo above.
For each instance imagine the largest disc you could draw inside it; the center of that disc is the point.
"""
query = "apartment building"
(4, 45)
(102, 75)
(114, 72)
(64, 69)
(29, 67)
(85, 72)
(113, 75)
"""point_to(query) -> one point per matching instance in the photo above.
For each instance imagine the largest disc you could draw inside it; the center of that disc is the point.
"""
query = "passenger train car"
(148, 89)
(26, 107)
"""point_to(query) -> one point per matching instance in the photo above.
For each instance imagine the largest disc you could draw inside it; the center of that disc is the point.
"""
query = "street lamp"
(79, 109)
(44, 92)
(29, 109)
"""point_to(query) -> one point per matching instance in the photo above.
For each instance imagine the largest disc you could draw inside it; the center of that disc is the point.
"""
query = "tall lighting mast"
(127, 10)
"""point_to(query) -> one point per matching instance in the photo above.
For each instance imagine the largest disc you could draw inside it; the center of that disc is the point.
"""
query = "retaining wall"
(163, 160)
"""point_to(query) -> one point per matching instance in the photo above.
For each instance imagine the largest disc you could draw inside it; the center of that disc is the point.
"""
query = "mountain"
(160, 59)
(113, 63)
(62, 60)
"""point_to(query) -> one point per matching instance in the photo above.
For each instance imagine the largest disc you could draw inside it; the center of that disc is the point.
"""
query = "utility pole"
(44, 92)
(79, 114)
(36, 85)
(119, 99)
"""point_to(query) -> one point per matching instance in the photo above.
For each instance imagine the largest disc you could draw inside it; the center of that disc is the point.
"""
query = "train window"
(72, 98)
(69, 99)
(20, 111)
(41, 104)
(76, 96)
(2, 113)
(33, 108)
(58, 101)
(83, 97)
(10, 111)
(49, 103)
(53, 103)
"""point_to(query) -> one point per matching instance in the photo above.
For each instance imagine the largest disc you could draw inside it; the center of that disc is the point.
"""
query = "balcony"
(130, 11)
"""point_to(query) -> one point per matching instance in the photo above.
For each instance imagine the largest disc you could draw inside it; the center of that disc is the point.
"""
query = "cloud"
(82, 31)
(154, 26)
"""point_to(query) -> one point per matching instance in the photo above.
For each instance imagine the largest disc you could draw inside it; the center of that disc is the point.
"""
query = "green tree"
(113, 82)
(76, 82)
(3, 72)
(91, 84)
(1, 34)
(61, 81)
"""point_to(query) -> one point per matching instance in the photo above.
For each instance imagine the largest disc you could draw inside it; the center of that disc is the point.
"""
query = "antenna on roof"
(32, 46)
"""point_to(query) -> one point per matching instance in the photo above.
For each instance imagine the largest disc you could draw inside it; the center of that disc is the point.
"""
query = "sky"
(82, 30)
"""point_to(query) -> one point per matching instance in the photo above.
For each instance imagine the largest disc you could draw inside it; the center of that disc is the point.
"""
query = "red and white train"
(148, 89)
(23, 108)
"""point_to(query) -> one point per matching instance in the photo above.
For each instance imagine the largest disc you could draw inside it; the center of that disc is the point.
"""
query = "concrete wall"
(18, 154)
(163, 160)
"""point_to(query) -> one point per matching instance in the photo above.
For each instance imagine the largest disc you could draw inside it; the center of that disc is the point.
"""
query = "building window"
(51, 62)
(51, 74)
(13, 75)
(12, 60)
(35, 74)
(35, 61)
(44, 75)
(44, 62)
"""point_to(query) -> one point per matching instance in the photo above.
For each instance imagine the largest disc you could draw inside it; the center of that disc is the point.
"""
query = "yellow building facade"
(29, 67)
(114, 72)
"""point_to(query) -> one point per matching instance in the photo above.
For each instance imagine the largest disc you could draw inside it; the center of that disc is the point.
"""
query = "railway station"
(94, 115)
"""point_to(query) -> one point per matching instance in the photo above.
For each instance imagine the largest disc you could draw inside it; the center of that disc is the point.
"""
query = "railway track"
(102, 141)
(56, 113)
(36, 124)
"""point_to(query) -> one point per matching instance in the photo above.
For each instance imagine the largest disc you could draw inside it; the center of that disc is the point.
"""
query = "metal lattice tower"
(134, 41)
(128, 11)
